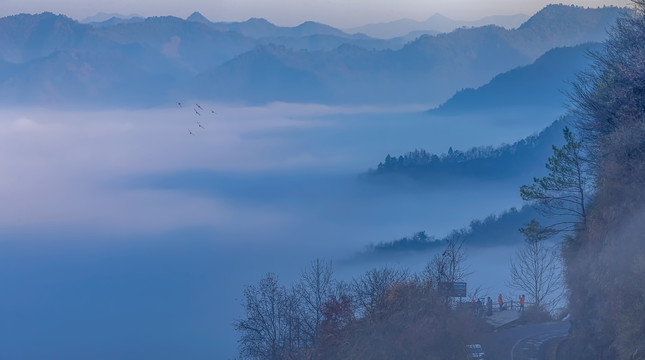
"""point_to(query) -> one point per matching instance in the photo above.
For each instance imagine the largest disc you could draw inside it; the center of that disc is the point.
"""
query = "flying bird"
(200, 125)
(190, 132)
(179, 103)
(213, 111)
(197, 112)
(200, 108)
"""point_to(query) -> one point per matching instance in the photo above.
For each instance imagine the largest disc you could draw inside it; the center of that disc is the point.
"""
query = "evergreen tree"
(563, 192)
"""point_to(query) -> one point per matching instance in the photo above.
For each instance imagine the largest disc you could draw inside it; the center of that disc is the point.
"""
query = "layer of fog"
(122, 230)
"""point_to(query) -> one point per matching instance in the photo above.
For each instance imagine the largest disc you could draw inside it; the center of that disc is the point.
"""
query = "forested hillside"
(606, 256)
(494, 230)
(523, 157)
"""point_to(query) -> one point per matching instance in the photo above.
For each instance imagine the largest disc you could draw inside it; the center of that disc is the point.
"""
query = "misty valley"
(189, 189)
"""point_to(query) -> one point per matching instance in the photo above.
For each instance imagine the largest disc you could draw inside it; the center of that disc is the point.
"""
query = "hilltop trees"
(370, 288)
(283, 322)
(411, 322)
(384, 313)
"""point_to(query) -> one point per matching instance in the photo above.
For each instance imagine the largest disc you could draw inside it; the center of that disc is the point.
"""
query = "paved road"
(523, 342)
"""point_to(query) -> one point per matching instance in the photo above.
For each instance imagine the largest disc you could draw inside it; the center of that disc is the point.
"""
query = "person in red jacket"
(500, 302)
(522, 302)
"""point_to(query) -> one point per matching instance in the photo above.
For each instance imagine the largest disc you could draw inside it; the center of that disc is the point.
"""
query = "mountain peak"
(314, 28)
(438, 16)
(312, 25)
(197, 17)
(255, 20)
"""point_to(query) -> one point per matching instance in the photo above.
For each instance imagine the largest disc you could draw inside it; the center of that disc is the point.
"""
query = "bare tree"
(316, 286)
(296, 343)
(537, 271)
(269, 329)
(449, 265)
(369, 290)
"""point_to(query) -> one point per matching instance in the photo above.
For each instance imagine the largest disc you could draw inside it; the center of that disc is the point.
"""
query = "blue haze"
(161, 276)
(124, 236)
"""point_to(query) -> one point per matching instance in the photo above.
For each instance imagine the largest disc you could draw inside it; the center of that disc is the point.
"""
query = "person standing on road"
(489, 305)
(521, 302)
(500, 302)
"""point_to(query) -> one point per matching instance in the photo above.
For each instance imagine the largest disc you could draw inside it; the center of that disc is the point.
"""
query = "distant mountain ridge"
(437, 23)
(261, 28)
(101, 17)
(542, 84)
(429, 69)
(222, 61)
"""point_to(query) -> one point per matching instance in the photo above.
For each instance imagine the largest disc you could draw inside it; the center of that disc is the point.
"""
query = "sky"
(338, 13)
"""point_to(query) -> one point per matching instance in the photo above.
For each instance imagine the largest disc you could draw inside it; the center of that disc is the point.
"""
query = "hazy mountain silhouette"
(27, 37)
(331, 42)
(268, 74)
(428, 70)
(437, 23)
(191, 46)
(310, 62)
(261, 28)
(543, 84)
(198, 17)
(113, 21)
(102, 17)
(308, 35)
(88, 79)
(347, 74)
(565, 26)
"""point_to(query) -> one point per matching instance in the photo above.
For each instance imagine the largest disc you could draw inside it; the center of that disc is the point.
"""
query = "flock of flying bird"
(198, 112)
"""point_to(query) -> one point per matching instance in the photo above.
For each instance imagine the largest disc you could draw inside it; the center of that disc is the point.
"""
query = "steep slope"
(561, 25)
(541, 84)
(605, 257)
